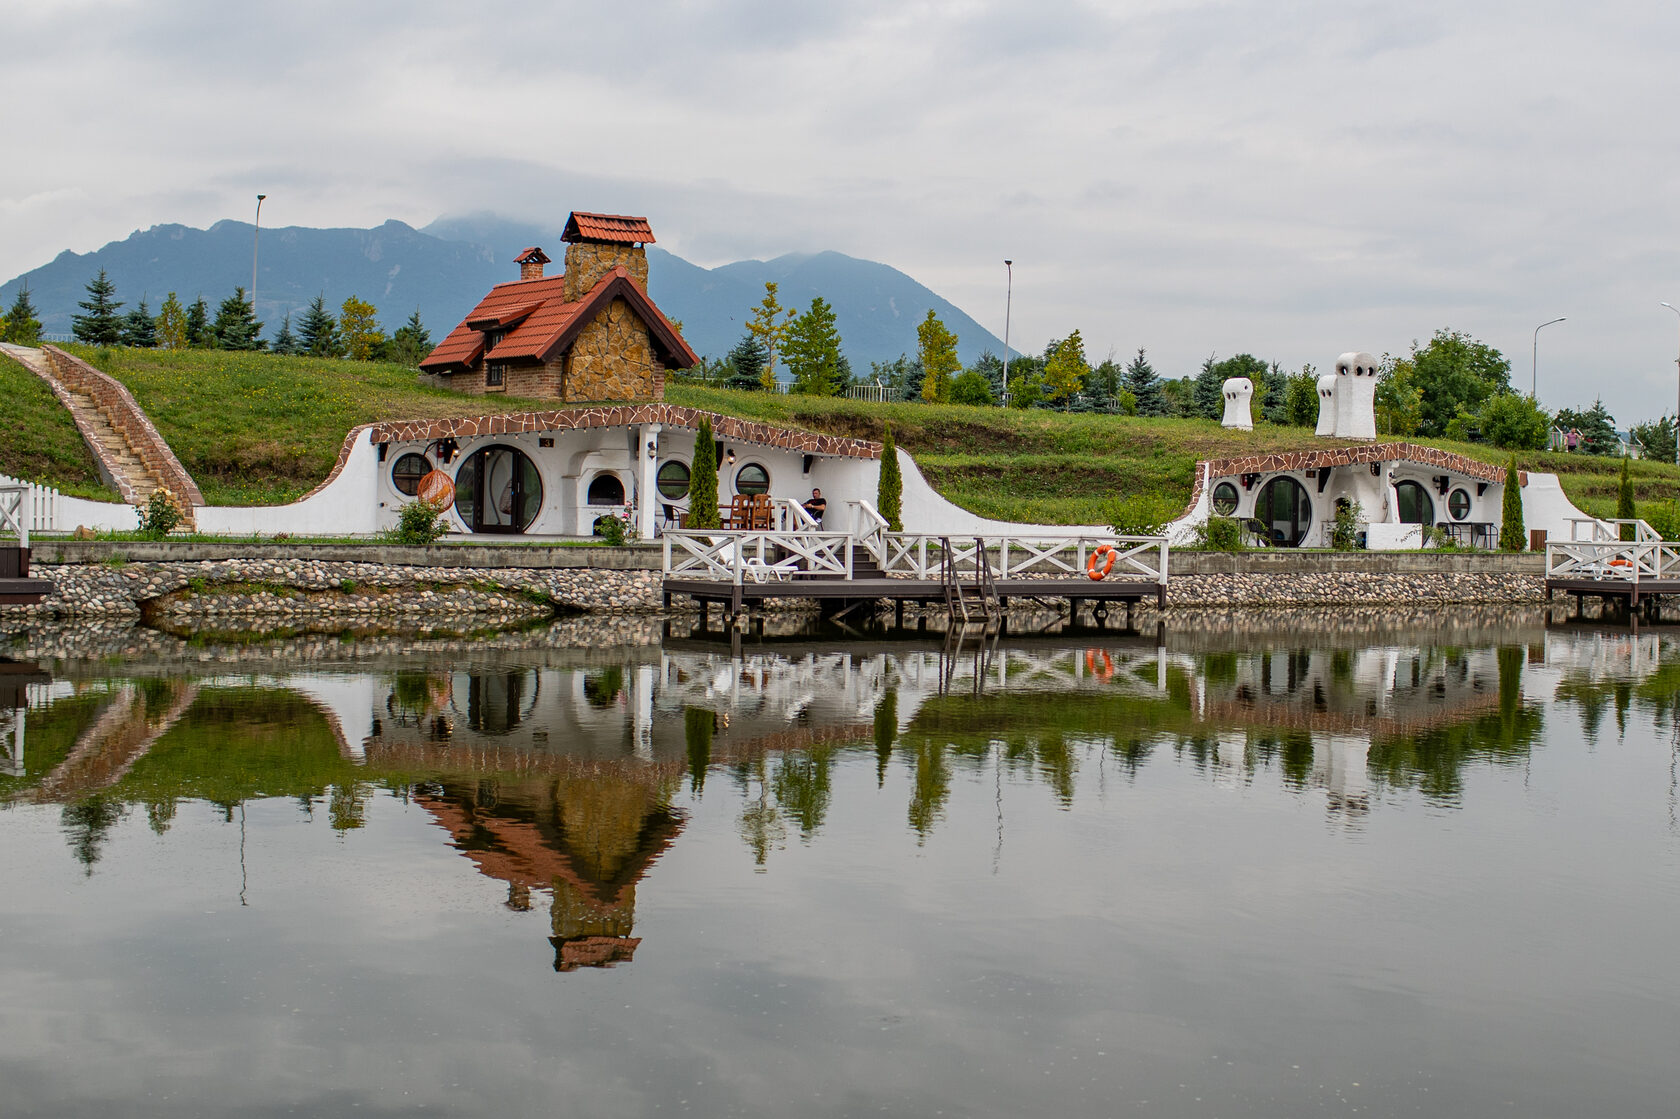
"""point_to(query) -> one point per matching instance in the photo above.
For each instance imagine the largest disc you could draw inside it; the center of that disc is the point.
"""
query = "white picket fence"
(39, 508)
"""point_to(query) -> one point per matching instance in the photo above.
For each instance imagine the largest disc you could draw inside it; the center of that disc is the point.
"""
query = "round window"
(752, 478)
(1416, 506)
(1224, 499)
(1458, 504)
(673, 480)
(1285, 509)
(408, 471)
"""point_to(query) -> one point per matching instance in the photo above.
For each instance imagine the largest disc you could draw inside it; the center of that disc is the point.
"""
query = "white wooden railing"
(39, 505)
(736, 556)
(14, 515)
(1015, 556)
(1599, 531)
(1632, 561)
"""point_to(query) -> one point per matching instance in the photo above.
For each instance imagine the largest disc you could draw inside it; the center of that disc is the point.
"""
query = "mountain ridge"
(443, 268)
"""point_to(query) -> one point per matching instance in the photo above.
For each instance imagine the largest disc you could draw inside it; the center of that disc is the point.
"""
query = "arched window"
(408, 471)
(498, 489)
(606, 489)
(1414, 503)
(752, 478)
(1224, 499)
(673, 480)
(1286, 511)
(1458, 504)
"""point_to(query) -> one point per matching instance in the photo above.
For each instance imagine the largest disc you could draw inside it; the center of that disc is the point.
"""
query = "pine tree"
(23, 325)
(318, 332)
(1209, 394)
(199, 333)
(936, 349)
(358, 327)
(101, 326)
(747, 360)
(1511, 529)
(1144, 384)
(812, 350)
(703, 480)
(889, 491)
(236, 326)
(172, 324)
(139, 330)
(286, 342)
(412, 341)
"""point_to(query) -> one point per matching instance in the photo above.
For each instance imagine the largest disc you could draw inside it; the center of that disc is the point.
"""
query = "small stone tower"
(598, 243)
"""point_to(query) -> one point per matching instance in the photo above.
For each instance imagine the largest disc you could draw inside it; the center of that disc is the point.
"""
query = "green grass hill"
(263, 429)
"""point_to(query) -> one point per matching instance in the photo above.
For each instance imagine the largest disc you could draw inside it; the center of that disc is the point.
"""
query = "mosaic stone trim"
(1346, 456)
(620, 415)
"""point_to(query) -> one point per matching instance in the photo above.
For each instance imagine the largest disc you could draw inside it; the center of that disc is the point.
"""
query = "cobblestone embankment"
(1354, 588)
(230, 589)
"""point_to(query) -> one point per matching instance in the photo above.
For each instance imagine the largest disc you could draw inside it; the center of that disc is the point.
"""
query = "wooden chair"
(738, 516)
(761, 512)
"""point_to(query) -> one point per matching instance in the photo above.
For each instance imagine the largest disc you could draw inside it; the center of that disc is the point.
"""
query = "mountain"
(444, 268)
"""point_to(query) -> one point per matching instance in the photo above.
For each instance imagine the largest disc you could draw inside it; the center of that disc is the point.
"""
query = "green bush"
(418, 524)
(612, 529)
(1143, 514)
(1346, 527)
(1665, 519)
(1513, 422)
(1222, 534)
(158, 517)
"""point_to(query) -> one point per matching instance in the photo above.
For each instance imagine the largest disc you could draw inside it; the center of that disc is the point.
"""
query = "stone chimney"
(531, 263)
(598, 243)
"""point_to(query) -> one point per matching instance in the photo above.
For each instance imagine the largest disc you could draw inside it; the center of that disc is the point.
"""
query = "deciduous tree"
(1455, 373)
(812, 349)
(1399, 400)
(101, 326)
(172, 324)
(1513, 422)
(936, 350)
(358, 326)
(769, 324)
(1065, 369)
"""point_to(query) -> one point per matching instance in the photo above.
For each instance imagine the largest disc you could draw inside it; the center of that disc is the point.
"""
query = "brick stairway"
(130, 453)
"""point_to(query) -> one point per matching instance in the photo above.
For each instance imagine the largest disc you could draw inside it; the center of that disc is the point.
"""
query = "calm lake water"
(1250, 865)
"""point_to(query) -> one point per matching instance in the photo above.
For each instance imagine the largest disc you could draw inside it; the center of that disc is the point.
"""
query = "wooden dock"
(1622, 574)
(17, 588)
(976, 578)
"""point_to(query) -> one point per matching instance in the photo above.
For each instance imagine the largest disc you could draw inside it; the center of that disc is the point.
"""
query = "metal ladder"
(970, 602)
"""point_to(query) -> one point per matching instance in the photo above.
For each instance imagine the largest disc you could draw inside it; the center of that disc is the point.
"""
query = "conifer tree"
(101, 326)
(1144, 384)
(1511, 530)
(236, 326)
(286, 342)
(1625, 509)
(172, 324)
(23, 325)
(318, 332)
(1209, 393)
(889, 491)
(812, 350)
(412, 341)
(936, 349)
(747, 362)
(199, 333)
(139, 330)
(703, 480)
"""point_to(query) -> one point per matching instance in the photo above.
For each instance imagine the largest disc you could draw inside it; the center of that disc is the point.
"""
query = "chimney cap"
(618, 229)
(532, 255)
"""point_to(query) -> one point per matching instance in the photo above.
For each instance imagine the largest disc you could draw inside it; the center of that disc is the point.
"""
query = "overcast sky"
(1292, 179)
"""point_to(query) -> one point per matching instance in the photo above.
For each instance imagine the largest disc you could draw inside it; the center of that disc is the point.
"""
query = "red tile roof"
(544, 324)
(617, 228)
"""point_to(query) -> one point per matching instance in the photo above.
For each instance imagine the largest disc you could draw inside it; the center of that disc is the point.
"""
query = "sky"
(1293, 179)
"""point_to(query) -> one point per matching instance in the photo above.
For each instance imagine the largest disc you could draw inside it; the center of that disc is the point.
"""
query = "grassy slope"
(257, 429)
(261, 429)
(39, 441)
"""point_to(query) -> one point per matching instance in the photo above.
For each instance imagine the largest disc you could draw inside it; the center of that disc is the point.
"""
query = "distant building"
(589, 334)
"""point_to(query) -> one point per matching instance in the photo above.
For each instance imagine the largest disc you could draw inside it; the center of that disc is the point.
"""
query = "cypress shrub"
(1624, 501)
(703, 480)
(889, 496)
(1512, 536)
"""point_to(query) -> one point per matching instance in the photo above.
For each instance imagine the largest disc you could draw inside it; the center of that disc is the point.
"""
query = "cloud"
(1290, 179)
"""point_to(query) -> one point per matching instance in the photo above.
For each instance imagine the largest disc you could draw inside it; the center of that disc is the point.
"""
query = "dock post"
(898, 613)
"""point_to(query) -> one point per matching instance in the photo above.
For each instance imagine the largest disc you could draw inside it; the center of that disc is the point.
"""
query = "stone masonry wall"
(613, 359)
(588, 261)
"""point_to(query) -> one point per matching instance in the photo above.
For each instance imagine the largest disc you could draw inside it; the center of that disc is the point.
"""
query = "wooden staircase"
(970, 601)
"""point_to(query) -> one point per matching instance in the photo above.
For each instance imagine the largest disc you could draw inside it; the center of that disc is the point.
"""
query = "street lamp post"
(1534, 359)
(1008, 302)
(1676, 310)
(255, 228)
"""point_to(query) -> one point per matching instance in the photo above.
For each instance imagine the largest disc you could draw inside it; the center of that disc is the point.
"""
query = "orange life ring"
(1091, 564)
(1104, 671)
